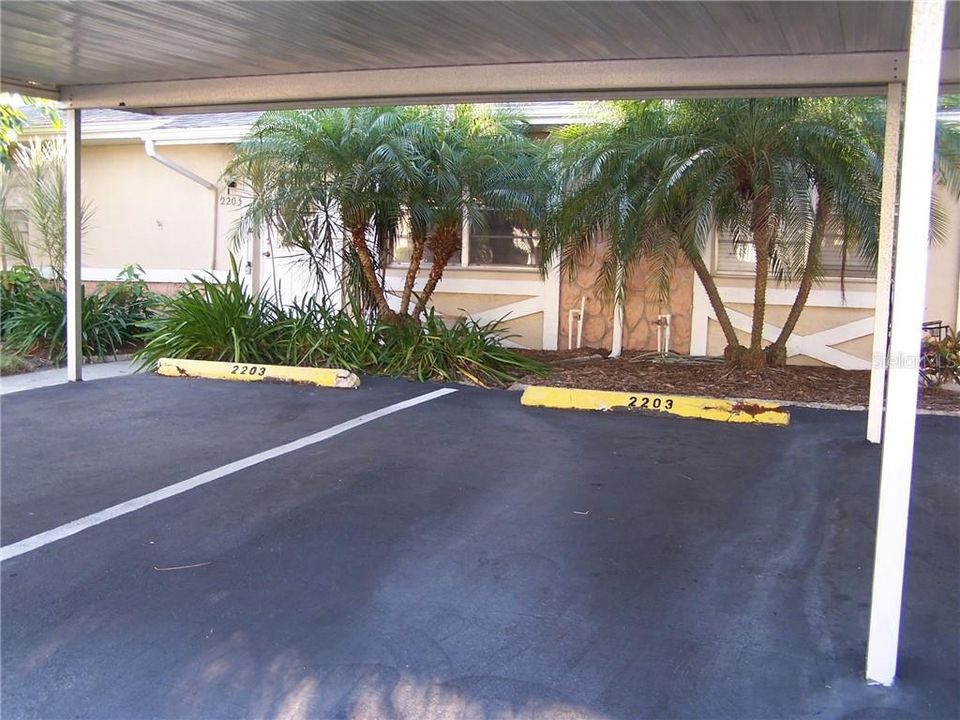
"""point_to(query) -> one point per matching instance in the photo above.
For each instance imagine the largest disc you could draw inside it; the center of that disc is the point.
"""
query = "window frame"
(747, 273)
(465, 264)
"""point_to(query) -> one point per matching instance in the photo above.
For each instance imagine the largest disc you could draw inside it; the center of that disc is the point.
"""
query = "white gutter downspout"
(151, 149)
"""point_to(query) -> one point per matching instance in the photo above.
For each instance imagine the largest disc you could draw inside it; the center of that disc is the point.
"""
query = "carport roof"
(173, 56)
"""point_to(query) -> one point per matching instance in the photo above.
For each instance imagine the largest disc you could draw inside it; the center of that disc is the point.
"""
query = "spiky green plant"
(224, 321)
(212, 320)
(34, 315)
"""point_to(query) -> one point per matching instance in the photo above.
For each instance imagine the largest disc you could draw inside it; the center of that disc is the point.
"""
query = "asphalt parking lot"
(463, 557)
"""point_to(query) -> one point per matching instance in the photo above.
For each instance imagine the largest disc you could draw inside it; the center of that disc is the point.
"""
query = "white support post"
(72, 270)
(913, 226)
(881, 313)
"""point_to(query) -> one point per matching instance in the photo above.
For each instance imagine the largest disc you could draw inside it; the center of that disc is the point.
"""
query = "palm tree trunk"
(762, 228)
(416, 256)
(777, 351)
(710, 285)
(359, 238)
(444, 246)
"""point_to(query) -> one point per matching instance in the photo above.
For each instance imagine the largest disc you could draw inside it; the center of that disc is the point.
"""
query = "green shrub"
(316, 335)
(464, 350)
(34, 315)
(223, 321)
(213, 321)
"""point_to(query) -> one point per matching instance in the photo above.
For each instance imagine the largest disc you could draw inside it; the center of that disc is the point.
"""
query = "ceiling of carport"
(112, 53)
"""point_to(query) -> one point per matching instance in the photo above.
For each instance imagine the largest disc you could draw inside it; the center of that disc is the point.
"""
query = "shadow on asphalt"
(467, 558)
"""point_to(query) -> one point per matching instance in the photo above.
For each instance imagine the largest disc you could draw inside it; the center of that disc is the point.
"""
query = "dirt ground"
(589, 368)
(18, 364)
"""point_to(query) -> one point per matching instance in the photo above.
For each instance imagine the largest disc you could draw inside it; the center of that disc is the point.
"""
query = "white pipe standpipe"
(578, 314)
(616, 345)
(73, 280)
(583, 306)
(913, 225)
(663, 334)
(151, 149)
(888, 211)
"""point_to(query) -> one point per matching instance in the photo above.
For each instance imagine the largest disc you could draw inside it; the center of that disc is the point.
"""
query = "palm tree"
(471, 160)
(361, 172)
(777, 174)
(326, 173)
(602, 176)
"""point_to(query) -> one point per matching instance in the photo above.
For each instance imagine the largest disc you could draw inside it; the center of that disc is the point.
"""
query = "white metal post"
(913, 226)
(72, 271)
(881, 313)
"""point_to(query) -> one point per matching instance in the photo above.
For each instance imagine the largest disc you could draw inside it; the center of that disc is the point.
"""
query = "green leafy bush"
(223, 321)
(34, 314)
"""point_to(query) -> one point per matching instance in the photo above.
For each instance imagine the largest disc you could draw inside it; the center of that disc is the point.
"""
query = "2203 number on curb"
(646, 403)
(258, 370)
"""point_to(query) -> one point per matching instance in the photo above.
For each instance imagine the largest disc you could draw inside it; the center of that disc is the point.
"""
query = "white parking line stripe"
(72, 528)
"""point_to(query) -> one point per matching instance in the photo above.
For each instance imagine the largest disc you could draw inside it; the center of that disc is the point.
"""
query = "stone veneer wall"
(641, 308)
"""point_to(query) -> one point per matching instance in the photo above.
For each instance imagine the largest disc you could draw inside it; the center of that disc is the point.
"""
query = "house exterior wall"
(144, 213)
(943, 268)
(525, 302)
(147, 214)
(836, 325)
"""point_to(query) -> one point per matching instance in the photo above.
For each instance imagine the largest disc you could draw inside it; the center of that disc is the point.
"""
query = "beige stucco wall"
(145, 213)
(943, 268)
(526, 330)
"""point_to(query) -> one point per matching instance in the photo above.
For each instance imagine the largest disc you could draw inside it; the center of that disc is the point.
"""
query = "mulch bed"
(33, 363)
(684, 376)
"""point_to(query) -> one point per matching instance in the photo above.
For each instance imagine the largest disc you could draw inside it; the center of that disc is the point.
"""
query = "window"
(499, 243)
(740, 258)
(403, 247)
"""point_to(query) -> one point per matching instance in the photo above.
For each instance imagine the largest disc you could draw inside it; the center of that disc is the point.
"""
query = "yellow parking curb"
(253, 372)
(736, 411)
